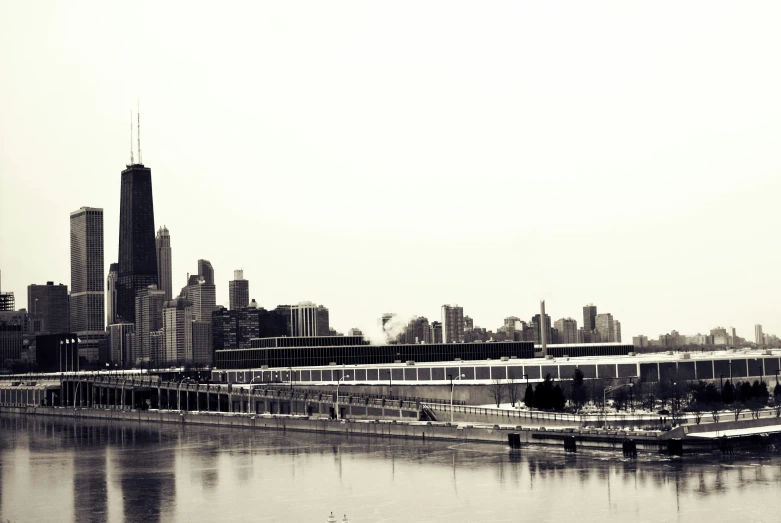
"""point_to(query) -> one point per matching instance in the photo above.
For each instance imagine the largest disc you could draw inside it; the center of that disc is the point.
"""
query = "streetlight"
(336, 409)
(452, 386)
(290, 377)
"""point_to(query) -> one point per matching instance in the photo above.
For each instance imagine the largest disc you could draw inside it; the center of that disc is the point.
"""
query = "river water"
(90, 471)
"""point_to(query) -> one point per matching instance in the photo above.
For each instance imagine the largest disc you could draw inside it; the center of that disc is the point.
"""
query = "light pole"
(390, 378)
(452, 386)
(336, 409)
(290, 377)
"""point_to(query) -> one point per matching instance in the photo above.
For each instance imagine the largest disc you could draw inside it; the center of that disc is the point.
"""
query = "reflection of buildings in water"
(90, 491)
(145, 473)
(203, 469)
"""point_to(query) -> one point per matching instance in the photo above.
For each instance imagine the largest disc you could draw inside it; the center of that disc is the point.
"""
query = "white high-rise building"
(149, 318)
(203, 296)
(309, 319)
(87, 312)
(452, 324)
(177, 331)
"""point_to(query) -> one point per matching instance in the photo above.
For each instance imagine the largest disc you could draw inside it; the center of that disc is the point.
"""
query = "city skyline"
(649, 166)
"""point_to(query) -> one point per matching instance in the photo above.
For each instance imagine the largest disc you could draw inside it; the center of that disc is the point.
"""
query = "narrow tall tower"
(87, 285)
(163, 249)
(543, 330)
(137, 257)
(111, 294)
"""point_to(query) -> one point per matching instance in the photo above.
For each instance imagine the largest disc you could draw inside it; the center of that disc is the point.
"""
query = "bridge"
(149, 392)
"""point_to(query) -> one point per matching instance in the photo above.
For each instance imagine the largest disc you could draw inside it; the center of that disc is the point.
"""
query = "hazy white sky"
(392, 157)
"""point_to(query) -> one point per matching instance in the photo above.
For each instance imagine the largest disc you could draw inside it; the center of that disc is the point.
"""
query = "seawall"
(494, 434)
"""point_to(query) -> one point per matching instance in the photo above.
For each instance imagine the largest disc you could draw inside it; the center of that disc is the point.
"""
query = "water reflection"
(58, 469)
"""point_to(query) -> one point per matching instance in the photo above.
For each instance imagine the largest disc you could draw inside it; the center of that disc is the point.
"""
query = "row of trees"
(692, 396)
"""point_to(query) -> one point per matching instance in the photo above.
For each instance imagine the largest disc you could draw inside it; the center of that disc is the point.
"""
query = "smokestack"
(543, 330)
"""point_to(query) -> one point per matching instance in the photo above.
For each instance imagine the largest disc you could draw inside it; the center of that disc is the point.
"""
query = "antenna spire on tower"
(138, 132)
(131, 138)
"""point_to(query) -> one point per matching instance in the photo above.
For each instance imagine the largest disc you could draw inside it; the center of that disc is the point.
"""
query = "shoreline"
(462, 433)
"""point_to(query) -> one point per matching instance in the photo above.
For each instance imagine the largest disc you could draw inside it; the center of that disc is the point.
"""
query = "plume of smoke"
(380, 334)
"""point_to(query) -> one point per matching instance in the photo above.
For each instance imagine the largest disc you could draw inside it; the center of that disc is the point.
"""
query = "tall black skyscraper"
(137, 253)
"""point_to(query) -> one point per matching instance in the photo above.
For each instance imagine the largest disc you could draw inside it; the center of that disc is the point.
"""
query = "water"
(64, 470)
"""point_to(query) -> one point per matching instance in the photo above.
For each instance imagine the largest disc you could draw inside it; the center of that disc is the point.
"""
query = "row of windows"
(650, 372)
(369, 354)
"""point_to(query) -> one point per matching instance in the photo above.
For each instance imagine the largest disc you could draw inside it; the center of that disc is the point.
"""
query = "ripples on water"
(58, 470)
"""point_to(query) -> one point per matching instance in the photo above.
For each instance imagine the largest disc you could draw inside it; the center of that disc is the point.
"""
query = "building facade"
(452, 324)
(12, 330)
(202, 339)
(436, 332)
(120, 349)
(177, 327)
(149, 318)
(203, 296)
(206, 271)
(309, 319)
(605, 328)
(49, 305)
(137, 257)
(238, 291)
(759, 337)
(233, 329)
(163, 252)
(589, 321)
(567, 329)
(111, 294)
(87, 311)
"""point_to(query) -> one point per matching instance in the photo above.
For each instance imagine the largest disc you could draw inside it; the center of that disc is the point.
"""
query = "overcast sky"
(393, 157)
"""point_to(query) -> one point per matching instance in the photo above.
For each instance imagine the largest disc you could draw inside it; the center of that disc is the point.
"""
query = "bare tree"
(737, 407)
(496, 390)
(513, 392)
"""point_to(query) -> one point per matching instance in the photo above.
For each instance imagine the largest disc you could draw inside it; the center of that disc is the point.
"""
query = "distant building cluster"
(131, 318)
(719, 337)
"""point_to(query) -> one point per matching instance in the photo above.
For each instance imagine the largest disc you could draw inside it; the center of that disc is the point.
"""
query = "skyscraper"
(617, 331)
(137, 257)
(605, 328)
(452, 324)
(49, 304)
(149, 318)
(589, 321)
(238, 291)
(120, 351)
(111, 294)
(163, 250)
(436, 332)
(203, 298)
(206, 271)
(308, 319)
(568, 330)
(759, 337)
(87, 299)
(203, 352)
(177, 329)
